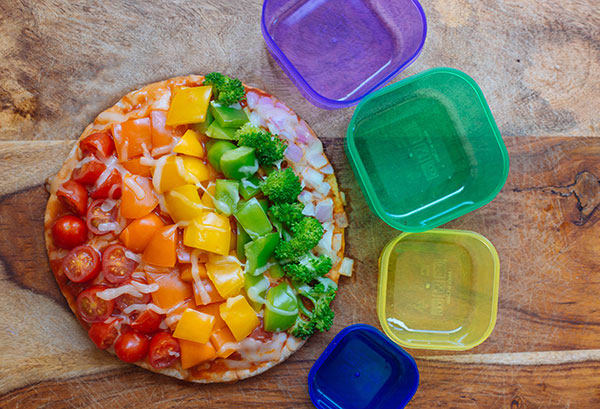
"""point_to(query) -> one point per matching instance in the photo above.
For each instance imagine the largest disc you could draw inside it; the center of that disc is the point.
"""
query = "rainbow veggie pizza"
(197, 230)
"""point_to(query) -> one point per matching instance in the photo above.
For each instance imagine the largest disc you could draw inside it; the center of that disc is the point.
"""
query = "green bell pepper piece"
(226, 196)
(242, 238)
(256, 288)
(258, 252)
(239, 163)
(203, 126)
(228, 117)
(216, 131)
(249, 187)
(216, 149)
(253, 218)
(281, 308)
(275, 270)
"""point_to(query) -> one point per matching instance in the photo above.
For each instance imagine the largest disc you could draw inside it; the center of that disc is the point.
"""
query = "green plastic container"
(426, 150)
(438, 289)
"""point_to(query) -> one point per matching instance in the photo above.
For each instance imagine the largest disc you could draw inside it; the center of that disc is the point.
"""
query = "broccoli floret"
(306, 234)
(267, 147)
(321, 316)
(281, 186)
(308, 268)
(229, 90)
(287, 213)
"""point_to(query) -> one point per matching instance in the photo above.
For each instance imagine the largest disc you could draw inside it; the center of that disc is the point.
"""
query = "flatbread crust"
(137, 104)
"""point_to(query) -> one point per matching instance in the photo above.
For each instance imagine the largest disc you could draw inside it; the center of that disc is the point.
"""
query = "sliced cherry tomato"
(131, 347)
(74, 196)
(116, 267)
(160, 251)
(147, 322)
(97, 217)
(89, 172)
(130, 136)
(104, 334)
(109, 187)
(81, 264)
(138, 198)
(92, 308)
(138, 233)
(100, 144)
(69, 231)
(164, 350)
(125, 300)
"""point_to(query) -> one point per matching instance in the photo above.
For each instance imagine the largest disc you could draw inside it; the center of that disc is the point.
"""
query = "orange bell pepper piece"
(137, 197)
(213, 309)
(194, 353)
(205, 292)
(138, 233)
(174, 315)
(163, 135)
(223, 341)
(186, 272)
(161, 250)
(136, 167)
(194, 326)
(129, 137)
(171, 290)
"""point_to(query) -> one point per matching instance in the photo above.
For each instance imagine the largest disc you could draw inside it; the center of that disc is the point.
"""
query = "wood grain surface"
(538, 64)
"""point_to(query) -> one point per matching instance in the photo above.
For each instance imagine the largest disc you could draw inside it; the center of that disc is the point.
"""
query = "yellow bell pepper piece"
(193, 353)
(207, 198)
(197, 170)
(226, 275)
(167, 174)
(189, 106)
(183, 203)
(239, 316)
(189, 144)
(194, 326)
(209, 232)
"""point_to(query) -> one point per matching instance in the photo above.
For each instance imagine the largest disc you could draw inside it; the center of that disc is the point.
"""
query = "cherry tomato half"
(131, 347)
(115, 264)
(96, 216)
(69, 231)
(81, 264)
(89, 172)
(92, 308)
(125, 300)
(110, 187)
(74, 196)
(164, 350)
(104, 334)
(99, 143)
(147, 322)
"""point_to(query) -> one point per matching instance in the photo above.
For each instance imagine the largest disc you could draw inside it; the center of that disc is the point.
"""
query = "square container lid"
(361, 368)
(426, 150)
(338, 51)
(438, 289)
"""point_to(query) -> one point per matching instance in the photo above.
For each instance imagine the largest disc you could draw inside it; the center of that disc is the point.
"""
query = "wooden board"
(537, 62)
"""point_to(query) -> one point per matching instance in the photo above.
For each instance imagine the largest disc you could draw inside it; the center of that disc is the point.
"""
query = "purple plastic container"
(338, 51)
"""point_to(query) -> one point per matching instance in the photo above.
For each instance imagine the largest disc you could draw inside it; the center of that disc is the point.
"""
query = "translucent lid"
(438, 289)
(362, 369)
(426, 150)
(337, 51)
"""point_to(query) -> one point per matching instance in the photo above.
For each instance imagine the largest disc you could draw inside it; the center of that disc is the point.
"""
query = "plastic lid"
(338, 51)
(361, 368)
(426, 150)
(438, 289)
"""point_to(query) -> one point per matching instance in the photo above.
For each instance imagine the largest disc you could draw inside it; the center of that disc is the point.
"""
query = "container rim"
(412, 365)
(313, 95)
(382, 288)
(360, 171)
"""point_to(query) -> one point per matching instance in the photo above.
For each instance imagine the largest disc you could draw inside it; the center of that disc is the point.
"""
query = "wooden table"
(538, 63)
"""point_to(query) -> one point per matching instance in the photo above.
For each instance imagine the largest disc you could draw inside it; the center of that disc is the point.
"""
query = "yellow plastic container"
(438, 289)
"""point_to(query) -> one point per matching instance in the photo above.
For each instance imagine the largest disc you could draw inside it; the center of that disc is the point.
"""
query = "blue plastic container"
(361, 368)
